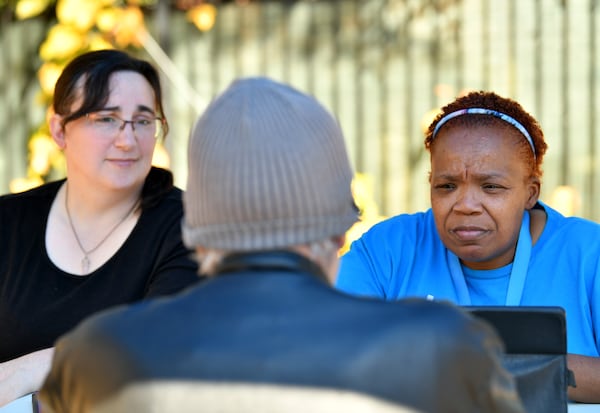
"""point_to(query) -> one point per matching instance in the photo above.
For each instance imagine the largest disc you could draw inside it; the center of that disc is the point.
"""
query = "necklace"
(85, 261)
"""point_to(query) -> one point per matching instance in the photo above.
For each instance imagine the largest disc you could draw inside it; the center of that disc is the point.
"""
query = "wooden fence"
(381, 66)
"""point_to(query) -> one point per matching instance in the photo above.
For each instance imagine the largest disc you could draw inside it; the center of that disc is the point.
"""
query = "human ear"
(534, 192)
(57, 130)
(339, 240)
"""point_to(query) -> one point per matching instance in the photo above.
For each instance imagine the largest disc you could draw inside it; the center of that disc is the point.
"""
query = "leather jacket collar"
(279, 260)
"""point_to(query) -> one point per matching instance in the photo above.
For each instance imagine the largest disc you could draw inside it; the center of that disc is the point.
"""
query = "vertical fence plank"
(382, 67)
(564, 91)
(591, 188)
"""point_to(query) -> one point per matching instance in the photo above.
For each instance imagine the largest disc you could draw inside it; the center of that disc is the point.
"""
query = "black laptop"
(535, 340)
(527, 330)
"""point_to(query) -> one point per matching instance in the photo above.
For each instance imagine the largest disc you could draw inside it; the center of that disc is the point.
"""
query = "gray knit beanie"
(267, 168)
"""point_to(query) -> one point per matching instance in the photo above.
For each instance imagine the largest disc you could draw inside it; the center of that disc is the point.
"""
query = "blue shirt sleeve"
(357, 275)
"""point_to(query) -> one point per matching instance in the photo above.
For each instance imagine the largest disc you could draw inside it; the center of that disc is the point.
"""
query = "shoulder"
(163, 218)
(47, 190)
(569, 237)
(170, 202)
(419, 323)
(90, 363)
(173, 197)
(406, 223)
(158, 186)
(572, 227)
(37, 199)
(378, 247)
(124, 328)
(459, 338)
(401, 229)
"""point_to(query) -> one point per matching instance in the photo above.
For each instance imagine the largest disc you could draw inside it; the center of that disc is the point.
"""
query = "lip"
(469, 233)
(122, 162)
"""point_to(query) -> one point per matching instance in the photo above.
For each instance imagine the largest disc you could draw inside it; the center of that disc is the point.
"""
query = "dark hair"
(158, 182)
(490, 100)
(96, 68)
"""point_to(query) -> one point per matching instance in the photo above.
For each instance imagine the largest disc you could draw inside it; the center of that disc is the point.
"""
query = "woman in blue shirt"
(487, 239)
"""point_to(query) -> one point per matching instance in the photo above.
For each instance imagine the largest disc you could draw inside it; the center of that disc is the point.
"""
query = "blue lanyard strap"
(520, 264)
(518, 273)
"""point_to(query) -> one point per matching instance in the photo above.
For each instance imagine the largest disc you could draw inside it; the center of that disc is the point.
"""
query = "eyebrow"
(140, 108)
(480, 177)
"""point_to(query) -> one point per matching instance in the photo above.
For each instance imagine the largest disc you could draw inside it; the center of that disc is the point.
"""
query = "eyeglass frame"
(124, 122)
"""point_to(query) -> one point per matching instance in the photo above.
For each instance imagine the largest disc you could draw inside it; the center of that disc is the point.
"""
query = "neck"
(537, 224)
(84, 203)
(94, 232)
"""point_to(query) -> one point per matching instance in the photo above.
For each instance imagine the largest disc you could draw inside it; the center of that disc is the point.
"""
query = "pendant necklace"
(85, 261)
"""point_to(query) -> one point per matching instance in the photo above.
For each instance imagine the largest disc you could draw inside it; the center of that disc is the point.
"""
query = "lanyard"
(517, 274)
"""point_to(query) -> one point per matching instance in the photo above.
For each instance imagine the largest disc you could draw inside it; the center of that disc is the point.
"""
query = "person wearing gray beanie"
(267, 204)
(268, 168)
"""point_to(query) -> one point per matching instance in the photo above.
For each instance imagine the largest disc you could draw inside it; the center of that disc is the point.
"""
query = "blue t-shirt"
(404, 257)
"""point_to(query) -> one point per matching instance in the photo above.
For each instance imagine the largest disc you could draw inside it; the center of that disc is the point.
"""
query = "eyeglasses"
(109, 124)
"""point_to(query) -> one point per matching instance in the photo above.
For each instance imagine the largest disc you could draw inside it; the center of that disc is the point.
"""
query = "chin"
(472, 253)
(128, 182)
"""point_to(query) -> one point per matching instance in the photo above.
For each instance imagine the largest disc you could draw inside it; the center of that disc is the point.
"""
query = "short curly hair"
(490, 100)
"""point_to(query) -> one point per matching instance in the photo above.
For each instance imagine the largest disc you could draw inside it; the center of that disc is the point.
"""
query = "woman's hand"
(24, 375)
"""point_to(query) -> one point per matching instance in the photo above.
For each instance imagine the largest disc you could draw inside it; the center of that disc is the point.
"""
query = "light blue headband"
(482, 111)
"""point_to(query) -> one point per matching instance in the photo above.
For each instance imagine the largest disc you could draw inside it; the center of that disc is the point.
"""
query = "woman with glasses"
(106, 235)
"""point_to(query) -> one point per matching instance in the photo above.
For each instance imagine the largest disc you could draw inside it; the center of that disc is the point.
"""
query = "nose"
(126, 136)
(467, 201)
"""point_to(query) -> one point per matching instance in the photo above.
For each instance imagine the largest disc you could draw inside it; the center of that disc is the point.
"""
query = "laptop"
(535, 340)
(527, 330)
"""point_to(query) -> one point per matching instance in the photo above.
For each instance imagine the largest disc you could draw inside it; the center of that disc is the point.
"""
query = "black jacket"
(268, 331)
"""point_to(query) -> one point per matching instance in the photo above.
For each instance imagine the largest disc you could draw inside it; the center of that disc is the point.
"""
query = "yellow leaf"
(355, 232)
(131, 23)
(58, 162)
(107, 19)
(40, 142)
(40, 164)
(42, 150)
(363, 193)
(566, 200)
(23, 184)
(48, 75)
(98, 42)
(427, 118)
(62, 42)
(161, 157)
(203, 16)
(30, 8)
(81, 14)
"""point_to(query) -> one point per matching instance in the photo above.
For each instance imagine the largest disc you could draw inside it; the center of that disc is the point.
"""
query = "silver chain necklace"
(85, 261)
